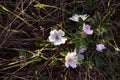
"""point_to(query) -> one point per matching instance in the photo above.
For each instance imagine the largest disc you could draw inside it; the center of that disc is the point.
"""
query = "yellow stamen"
(70, 59)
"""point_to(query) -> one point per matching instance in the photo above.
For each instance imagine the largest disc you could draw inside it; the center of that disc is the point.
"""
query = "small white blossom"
(84, 17)
(82, 50)
(86, 29)
(57, 37)
(75, 18)
(71, 60)
(22, 58)
(100, 47)
(79, 55)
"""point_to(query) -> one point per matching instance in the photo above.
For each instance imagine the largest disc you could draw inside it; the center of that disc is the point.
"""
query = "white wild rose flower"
(75, 18)
(100, 47)
(71, 60)
(87, 30)
(57, 37)
(84, 17)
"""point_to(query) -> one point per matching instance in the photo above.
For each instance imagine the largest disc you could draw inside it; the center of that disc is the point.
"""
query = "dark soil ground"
(25, 27)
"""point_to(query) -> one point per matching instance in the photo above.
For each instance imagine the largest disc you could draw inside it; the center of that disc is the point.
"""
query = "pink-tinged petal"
(51, 39)
(72, 19)
(84, 17)
(89, 32)
(73, 65)
(67, 64)
(22, 58)
(75, 51)
(63, 40)
(71, 60)
(56, 37)
(82, 50)
(75, 18)
(57, 42)
(86, 29)
(73, 54)
(61, 33)
(80, 56)
(100, 47)
(52, 35)
(67, 56)
(53, 32)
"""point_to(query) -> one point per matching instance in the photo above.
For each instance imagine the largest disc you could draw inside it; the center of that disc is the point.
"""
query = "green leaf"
(89, 3)
(107, 25)
(78, 45)
(80, 21)
(15, 59)
(98, 61)
(100, 30)
(106, 17)
(63, 54)
(75, 38)
(22, 52)
(55, 61)
(79, 61)
(108, 38)
(108, 52)
(91, 20)
(97, 18)
(1, 26)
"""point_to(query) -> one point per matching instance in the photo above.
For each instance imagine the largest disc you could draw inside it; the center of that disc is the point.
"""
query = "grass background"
(25, 26)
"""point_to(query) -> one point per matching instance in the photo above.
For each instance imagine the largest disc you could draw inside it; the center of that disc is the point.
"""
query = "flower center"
(57, 37)
(70, 59)
(87, 27)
